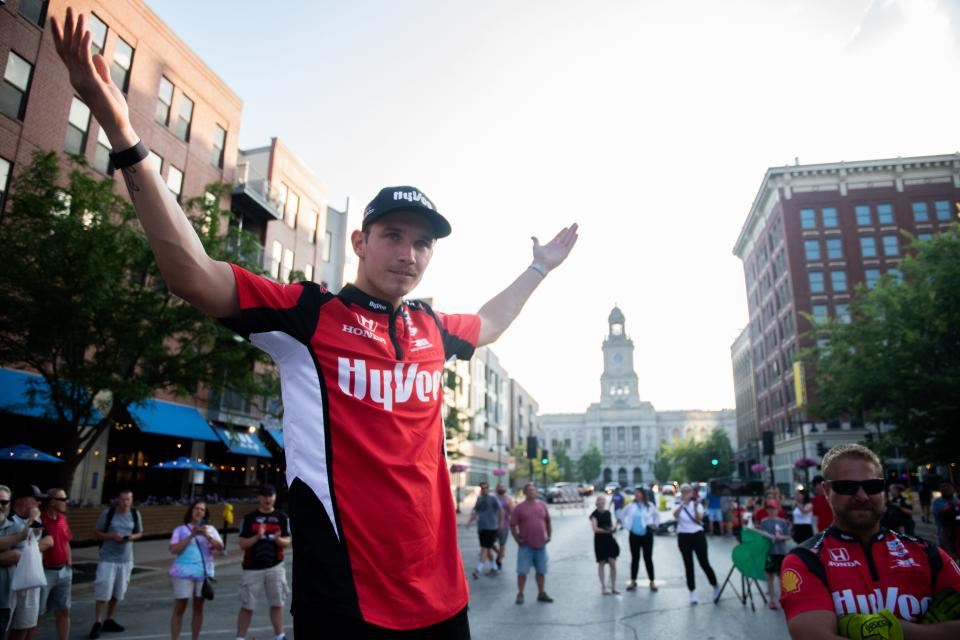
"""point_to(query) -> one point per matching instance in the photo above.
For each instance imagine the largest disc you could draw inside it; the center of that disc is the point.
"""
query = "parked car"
(611, 487)
(585, 488)
(558, 490)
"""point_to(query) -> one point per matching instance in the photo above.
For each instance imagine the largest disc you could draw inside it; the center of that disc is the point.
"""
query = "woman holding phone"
(691, 540)
(193, 543)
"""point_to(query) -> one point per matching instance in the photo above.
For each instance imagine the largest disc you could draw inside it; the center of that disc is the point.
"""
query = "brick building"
(813, 233)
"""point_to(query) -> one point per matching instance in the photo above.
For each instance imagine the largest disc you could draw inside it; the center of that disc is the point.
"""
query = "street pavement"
(579, 610)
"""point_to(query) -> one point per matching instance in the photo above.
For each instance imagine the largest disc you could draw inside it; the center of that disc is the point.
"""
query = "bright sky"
(649, 122)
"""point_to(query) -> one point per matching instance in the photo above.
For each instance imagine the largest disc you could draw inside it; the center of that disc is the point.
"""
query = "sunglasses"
(4, 503)
(850, 487)
(63, 499)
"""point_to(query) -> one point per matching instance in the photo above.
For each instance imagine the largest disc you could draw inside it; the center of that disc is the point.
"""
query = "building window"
(942, 208)
(157, 161)
(309, 224)
(920, 212)
(308, 272)
(164, 100)
(101, 157)
(923, 237)
(829, 216)
(4, 180)
(120, 67)
(816, 282)
(843, 313)
(16, 86)
(181, 127)
(885, 213)
(219, 142)
(621, 438)
(635, 431)
(175, 181)
(868, 247)
(292, 209)
(890, 246)
(819, 313)
(276, 259)
(872, 277)
(34, 10)
(838, 280)
(327, 243)
(606, 438)
(864, 216)
(834, 249)
(78, 123)
(282, 196)
(808, 219)
(811, 249)
(896, 275)
(98, 33)
(287, 265)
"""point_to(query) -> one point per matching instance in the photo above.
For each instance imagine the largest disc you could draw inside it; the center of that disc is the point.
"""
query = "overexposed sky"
(649, 122)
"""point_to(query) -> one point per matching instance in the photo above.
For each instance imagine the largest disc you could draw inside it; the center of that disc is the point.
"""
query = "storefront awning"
(170, 419)
(242, 442)
(277, 435)
(15, 389)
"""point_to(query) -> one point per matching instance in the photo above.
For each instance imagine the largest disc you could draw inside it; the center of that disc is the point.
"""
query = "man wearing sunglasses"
(57, 561)
(858, 580)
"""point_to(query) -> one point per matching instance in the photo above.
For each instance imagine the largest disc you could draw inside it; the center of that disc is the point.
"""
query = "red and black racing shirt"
(836, 572)
(371, 513)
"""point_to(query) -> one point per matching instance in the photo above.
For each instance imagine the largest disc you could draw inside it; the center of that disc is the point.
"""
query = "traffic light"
(531, 447)
(821, 449)
(714, 458)
(545, 457)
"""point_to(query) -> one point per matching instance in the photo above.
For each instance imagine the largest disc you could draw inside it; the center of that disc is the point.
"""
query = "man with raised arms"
(375, 531)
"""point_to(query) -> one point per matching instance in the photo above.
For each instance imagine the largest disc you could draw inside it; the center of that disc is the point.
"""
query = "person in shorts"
(25, 604)
(489, 517)
(506, 505)
(117, 529)
(777, 528)
(264, 535)
(57, 561)
(531, 528)
(194, 544)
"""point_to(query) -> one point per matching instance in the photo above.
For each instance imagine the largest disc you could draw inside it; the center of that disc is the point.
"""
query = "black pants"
(644, 543)
(320, 626)
(695, 543)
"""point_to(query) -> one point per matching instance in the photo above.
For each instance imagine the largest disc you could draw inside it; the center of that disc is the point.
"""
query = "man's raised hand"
(553, 253)
(90, 76)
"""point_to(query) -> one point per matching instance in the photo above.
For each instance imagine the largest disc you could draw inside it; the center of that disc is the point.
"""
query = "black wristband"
(129, 157)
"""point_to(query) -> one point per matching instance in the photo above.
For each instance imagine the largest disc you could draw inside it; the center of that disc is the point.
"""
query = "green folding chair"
(749, 558)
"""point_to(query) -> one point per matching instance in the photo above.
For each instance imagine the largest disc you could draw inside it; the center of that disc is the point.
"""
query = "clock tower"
(618, 384)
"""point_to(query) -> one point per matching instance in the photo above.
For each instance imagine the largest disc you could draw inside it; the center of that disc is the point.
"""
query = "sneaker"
(111, 625)
(519, 599)
(693, 598)
(716, 592)
(499, 565)
(475, 574)
(632, 586)
(95, 630)
(543, 597)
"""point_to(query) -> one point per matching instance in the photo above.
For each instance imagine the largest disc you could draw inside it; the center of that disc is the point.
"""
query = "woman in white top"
(641, 519)
(691, 540)
(802, 518)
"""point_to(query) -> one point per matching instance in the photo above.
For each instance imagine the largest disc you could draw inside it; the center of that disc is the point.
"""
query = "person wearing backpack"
(860, 580)
(117, 529)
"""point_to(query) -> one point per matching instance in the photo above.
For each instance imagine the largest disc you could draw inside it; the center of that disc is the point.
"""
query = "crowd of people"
(30, 517)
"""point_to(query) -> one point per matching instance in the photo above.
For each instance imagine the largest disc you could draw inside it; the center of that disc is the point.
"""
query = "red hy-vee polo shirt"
(371, 514)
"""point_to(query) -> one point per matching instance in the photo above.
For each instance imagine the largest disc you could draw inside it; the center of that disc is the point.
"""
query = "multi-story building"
(813, 234)
(747, 435)
(626, 430)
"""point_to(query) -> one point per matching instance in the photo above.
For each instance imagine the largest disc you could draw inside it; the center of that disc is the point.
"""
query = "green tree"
(898, 360)
(588, 466)
(718, 444)
(663, 464)
(566, 465)
(83, 303)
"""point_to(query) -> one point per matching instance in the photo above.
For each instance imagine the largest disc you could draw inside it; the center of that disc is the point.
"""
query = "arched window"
(607, 476)
(622, 476)
(637, 475)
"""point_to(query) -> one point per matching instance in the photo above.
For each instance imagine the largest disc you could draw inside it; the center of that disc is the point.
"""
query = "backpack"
(809, 553)
(111, 512)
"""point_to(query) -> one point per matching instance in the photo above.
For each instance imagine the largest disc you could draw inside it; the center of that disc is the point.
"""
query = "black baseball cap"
(266, 490)
(405, 198)
(23, 490)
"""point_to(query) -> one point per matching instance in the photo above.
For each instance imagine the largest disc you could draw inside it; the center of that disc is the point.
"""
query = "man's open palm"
(89, 74)
(550, 255)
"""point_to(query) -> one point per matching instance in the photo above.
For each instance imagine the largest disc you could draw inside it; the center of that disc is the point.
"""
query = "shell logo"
(791, 581)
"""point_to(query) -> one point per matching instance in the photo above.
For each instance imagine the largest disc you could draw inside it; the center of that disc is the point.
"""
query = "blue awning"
(242, 442)
(276, 434)
(15, 388)
(170, 419)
